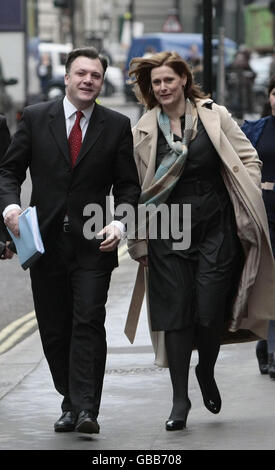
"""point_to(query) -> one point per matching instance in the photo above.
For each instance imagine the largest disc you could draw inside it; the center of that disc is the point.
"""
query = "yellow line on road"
(14, 331)
(15, 324)
(14, 338)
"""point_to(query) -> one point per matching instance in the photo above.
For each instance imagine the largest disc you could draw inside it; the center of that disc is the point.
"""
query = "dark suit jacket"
(105, 161)
(4, 143)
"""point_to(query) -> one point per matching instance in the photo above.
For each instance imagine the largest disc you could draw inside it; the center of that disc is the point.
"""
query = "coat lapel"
(58, 128)
(95, 128)
(211, 122)
(148, 131)
(147, 146)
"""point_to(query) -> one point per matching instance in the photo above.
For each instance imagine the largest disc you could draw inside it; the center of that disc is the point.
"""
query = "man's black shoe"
(66, 422)
(262, 356)
(271, 365)
(86, 423)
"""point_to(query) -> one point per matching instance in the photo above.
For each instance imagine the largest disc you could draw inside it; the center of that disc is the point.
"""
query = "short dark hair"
(90, 52)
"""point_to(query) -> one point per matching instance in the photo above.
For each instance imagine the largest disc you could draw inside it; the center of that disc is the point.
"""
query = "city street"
(17, 318)
(88, 50)
(137, 395)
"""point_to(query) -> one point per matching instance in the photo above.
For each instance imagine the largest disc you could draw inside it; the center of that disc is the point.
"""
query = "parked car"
(51, 68)
(113, 81)
(6, 103)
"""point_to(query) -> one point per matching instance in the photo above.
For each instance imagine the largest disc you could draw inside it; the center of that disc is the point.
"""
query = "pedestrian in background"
(76, 151)
(261, 133)
(5, 253)
(194, 59)
(241, 78)
(44, 72)
(189, 150)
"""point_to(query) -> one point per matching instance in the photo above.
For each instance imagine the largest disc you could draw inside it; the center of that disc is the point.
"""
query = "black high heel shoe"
(211, 395)
(177, 424)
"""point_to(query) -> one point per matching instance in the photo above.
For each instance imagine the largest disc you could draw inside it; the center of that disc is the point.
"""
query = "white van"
(57, 54)
(51, 68)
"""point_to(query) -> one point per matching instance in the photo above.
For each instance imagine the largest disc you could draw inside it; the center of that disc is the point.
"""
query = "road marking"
(14, 331)
(17, 335)
(15, 324)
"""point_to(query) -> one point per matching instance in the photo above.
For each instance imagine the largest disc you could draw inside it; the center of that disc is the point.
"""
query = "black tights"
(179, 345)
(208, 341)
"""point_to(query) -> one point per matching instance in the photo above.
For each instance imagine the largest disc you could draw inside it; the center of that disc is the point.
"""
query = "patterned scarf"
(172, 165)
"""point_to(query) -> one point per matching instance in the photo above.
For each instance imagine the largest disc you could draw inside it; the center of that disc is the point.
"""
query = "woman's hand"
(143, 260)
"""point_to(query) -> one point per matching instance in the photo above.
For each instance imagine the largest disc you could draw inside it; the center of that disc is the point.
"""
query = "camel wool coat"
(254, 304)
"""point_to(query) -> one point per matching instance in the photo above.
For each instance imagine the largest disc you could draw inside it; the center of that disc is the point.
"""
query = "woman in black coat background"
(261, 133)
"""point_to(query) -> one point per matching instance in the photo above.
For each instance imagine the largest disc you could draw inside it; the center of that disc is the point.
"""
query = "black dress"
(194, 284)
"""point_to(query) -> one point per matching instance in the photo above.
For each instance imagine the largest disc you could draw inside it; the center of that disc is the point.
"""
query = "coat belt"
(135, 306)
(268, 186)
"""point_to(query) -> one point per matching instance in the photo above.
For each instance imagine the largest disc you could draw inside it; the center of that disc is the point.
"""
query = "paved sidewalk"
(137, 396)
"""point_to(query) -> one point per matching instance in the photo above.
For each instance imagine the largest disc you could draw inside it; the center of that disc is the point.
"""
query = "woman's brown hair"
(271, 84)
(141, 67)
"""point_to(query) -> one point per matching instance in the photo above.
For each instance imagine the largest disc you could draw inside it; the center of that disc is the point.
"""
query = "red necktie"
(75, 138)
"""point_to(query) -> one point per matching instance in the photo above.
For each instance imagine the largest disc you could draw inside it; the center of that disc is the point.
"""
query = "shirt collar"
(70, 109)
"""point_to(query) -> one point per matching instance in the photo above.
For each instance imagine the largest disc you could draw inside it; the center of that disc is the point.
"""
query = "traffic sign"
(172, 25)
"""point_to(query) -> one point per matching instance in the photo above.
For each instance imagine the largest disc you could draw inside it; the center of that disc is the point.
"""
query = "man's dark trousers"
(70, 307)
(71, 329)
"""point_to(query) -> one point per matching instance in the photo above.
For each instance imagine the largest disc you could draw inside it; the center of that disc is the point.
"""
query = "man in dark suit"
(74, 160)
(5, 253)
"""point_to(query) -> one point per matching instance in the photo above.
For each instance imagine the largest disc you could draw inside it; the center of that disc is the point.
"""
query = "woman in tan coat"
(189, 151)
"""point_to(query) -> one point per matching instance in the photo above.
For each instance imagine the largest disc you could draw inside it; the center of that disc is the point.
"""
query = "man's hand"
(113, 237)
(143, 260)
(11, 221)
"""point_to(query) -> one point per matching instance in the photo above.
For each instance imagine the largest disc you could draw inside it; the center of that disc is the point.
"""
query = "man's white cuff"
(120, 226)
(9, 207)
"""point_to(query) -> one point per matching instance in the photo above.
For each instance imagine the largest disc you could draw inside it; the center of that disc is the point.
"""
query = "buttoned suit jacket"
(105, 161)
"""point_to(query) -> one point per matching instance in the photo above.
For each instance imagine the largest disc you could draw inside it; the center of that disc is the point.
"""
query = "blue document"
(29, 244)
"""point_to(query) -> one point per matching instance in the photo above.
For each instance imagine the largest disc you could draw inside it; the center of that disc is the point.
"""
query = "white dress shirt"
(70, 116)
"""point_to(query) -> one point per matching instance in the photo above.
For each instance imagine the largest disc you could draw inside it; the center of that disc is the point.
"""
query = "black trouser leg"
(88, 342)
(179, 348)
(70, 308)
(53, 307)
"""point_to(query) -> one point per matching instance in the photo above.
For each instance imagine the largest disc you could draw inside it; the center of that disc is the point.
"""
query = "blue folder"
(29, 244)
